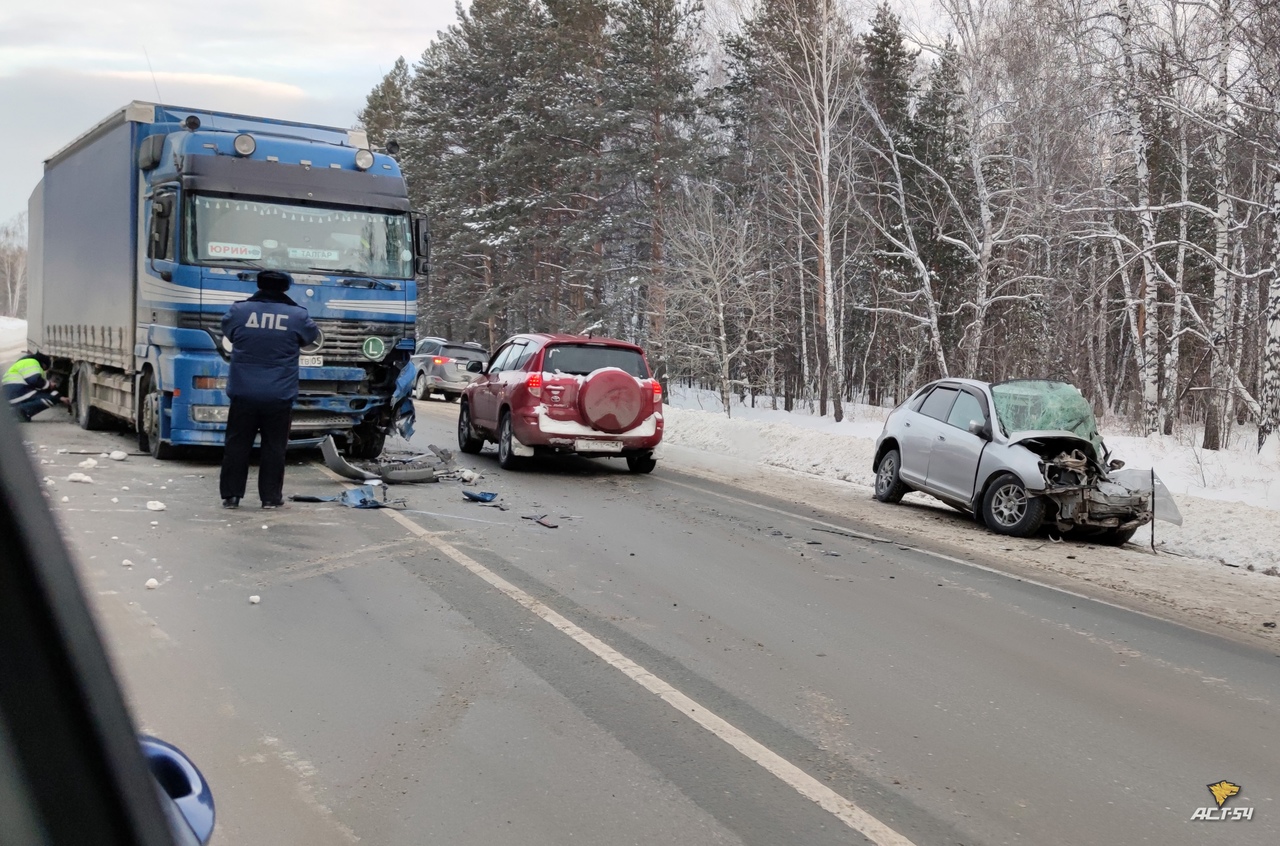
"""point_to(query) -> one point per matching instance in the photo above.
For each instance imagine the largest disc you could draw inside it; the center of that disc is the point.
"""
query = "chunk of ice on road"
(50, 483)
(62, 450)
(255, 599)
(264, 525)
(118, 455)
(152, 584)
(87, 464)
(80, 477)
(126, 563)
(115, 499)
(66, 499)
(155, 522)
(124, 487)
(155, 505)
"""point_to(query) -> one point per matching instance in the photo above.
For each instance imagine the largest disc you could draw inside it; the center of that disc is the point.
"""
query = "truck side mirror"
(161, 227)
(422, 244)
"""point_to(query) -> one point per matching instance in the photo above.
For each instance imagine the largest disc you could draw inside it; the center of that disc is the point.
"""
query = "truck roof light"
(245, 145)
(192, 123)
(364, 159)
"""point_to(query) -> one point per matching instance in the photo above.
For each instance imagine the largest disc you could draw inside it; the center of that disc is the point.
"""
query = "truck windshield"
(297, 238)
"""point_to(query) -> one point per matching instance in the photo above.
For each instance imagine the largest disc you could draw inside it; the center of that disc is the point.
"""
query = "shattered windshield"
(1030, 405)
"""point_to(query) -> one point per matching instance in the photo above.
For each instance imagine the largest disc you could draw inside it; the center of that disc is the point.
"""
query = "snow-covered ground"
(13, 340)
(1229, 499)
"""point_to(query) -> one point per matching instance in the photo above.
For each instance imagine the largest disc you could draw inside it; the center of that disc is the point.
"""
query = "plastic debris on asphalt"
(541, 520)
(361, 497)
(480, 496)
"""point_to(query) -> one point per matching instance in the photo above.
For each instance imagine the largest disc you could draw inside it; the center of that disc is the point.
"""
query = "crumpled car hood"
(1049, 443)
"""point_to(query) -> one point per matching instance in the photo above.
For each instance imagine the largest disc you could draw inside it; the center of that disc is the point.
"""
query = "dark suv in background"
(442, 367)
(564, 394)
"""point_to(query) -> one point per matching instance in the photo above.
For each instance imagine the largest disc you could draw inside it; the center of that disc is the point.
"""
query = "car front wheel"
(1008, 509)
(889, 485)
(420, 388)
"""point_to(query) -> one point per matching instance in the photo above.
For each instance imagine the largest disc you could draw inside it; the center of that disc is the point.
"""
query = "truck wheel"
(420, 391)
(507, 459)
(149, 427)
(90, 418)
(467, 440)
(1008, 509)
(366, 442)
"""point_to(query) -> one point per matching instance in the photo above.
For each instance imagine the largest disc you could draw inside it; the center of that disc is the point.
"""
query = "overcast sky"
(66, 64)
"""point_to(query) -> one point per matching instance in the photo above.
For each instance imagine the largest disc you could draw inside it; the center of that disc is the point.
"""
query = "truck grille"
(343, 339)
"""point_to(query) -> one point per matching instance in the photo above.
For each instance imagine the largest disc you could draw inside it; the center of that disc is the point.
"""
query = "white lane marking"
(800, 781)
(929, 552)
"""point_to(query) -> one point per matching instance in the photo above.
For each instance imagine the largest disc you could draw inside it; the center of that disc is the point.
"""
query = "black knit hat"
(274, 280)
(41, 359)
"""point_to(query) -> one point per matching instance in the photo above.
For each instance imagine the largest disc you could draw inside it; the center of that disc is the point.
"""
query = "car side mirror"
(977, 427)
(1115, 464)
(182, 785)
(475, 366)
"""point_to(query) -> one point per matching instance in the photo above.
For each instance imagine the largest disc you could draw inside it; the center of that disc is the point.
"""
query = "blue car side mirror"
(187, 799)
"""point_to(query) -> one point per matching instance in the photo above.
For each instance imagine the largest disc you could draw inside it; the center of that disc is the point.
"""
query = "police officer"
(266, 332)
(27, 387)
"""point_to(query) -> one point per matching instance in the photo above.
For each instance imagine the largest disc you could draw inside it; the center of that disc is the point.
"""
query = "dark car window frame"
(524, 356)
(954, 390)
(69, 733)
(499, 358)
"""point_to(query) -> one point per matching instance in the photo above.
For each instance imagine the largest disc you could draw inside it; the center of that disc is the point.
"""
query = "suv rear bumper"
(534, 428)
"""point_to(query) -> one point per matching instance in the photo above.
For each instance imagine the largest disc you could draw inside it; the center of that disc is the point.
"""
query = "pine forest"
(822, 203)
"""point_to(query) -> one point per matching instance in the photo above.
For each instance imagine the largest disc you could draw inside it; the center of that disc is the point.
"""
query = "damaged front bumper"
(1086, 496)
(1104, 505)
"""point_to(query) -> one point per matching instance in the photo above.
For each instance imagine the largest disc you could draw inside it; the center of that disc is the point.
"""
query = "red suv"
(563, 394)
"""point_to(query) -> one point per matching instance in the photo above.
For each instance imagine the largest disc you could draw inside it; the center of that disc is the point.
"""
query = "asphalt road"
(676, 662)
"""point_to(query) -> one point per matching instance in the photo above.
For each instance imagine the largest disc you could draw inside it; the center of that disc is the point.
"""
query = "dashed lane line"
(806, 785)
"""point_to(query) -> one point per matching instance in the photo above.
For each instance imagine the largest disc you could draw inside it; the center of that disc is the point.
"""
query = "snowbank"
(1228, 498)
(13, 340)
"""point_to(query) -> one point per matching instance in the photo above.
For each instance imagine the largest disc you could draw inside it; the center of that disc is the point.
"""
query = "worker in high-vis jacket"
(267, 332)
(28, 388)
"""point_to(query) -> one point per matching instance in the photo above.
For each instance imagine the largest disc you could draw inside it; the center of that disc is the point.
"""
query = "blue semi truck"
(144, 230)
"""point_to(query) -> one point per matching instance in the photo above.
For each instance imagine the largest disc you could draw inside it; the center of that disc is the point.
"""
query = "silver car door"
(920, 431)
(953, 461)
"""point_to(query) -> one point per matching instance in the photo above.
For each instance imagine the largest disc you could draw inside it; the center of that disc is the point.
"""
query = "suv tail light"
(657, 392)
(534, 384)
(440, 359)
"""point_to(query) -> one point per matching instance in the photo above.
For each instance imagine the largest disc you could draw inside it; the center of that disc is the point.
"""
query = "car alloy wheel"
(1009, 504)
(507, 459)
(884, 479)
(467, 440)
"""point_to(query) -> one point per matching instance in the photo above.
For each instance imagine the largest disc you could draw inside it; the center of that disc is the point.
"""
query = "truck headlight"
(245, 144)
(209, 413)
(364, 159)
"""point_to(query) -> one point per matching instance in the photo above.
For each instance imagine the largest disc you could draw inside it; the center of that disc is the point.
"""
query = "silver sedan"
(1017, 455)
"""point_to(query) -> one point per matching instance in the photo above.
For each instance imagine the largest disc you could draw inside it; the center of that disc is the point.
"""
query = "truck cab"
(209, 200)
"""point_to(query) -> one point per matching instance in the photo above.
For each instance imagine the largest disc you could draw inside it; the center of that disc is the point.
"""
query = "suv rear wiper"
(357, 276)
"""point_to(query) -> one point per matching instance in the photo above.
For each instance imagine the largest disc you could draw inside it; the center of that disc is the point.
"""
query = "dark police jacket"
(266, 333)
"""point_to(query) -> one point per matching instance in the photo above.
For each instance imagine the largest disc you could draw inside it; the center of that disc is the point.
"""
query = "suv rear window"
(464, 353)
(584, 359)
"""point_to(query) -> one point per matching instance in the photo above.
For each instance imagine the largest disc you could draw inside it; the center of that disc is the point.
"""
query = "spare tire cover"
(612, 401)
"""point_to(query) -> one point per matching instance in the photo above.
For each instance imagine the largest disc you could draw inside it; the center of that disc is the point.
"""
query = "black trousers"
(246, 420)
